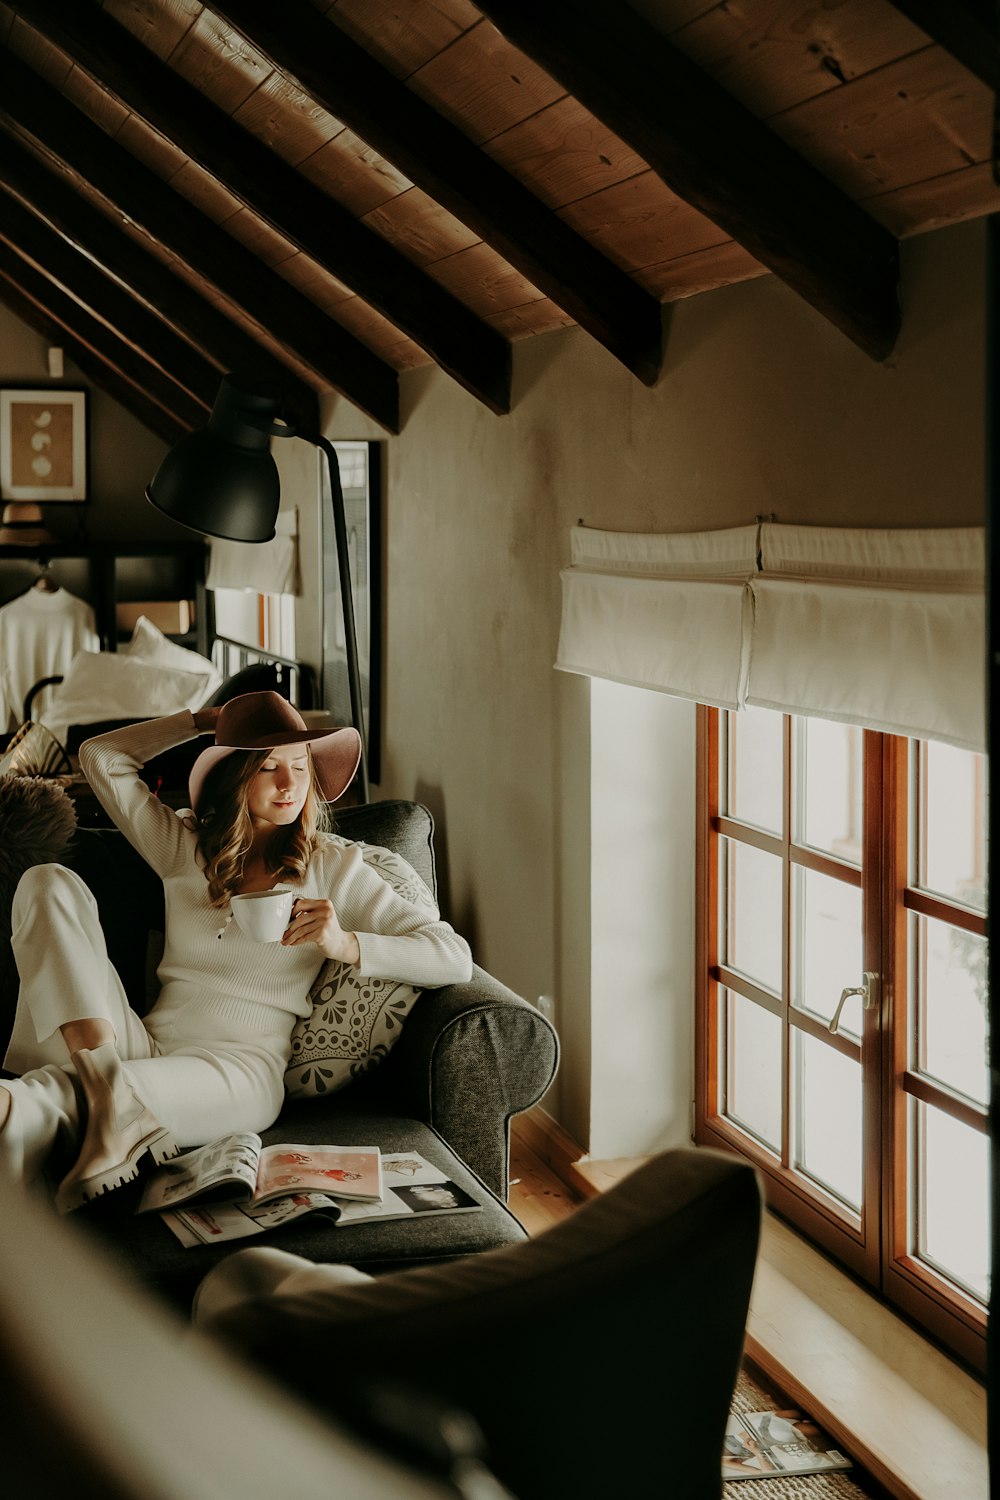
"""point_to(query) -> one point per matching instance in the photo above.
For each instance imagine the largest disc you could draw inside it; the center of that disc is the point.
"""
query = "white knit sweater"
(234, 974)
(39, 636)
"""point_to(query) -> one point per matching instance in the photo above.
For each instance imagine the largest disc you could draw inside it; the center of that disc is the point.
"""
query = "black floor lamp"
(222, 481)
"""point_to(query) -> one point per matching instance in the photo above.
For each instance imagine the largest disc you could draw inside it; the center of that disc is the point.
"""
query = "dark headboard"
(251, 669)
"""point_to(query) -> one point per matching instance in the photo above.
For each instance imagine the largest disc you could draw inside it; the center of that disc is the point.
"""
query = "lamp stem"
(344, 568)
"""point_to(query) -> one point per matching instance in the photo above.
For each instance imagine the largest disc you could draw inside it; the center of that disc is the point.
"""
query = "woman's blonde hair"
(224, 829)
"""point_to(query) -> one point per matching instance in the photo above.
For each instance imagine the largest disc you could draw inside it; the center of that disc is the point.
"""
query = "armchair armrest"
(468, 1058)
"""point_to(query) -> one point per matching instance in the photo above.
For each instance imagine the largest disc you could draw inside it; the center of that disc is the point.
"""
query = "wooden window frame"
(877, 1248)
(947, 1315)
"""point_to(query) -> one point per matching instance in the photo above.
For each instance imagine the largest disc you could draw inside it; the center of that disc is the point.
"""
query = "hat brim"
(335, 754)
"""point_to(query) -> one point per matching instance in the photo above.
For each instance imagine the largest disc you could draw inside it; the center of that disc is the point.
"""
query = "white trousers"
(200, 1085)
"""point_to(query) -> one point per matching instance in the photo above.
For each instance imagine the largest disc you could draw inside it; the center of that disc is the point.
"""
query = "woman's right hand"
(204, 719)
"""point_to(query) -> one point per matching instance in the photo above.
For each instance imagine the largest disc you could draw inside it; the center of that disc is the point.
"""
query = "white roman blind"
(885, 629)
(882, 628)
(258, 567)
(662, 612)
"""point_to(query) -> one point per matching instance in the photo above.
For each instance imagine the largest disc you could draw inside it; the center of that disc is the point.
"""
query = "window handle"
(868, 991)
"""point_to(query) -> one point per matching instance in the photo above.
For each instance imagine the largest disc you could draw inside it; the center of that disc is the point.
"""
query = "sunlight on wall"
(642, 920)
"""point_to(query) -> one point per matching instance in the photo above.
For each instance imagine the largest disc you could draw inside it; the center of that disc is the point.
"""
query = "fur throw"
(37, 822)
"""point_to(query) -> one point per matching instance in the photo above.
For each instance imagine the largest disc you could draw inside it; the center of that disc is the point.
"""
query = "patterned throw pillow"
(354, 1020)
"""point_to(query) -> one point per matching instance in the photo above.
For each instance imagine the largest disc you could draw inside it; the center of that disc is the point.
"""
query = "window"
(360, 466)
(842, 997)
(245, 618)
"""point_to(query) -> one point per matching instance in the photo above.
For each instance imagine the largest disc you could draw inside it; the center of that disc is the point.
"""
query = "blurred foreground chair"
(598, 1359)
(109, 1396)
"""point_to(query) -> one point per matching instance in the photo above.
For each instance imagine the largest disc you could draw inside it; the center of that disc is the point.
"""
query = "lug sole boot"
(120, 1130)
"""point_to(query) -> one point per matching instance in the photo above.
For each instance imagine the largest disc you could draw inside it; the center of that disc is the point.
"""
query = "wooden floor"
(538, 1198)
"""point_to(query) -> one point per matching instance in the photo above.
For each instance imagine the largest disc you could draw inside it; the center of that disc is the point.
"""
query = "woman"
(210, 1056)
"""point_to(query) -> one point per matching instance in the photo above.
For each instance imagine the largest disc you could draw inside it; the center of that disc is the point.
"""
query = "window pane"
(948, 971)
(237, 615)
(756, 761)
(828, 1118)
(952, 1210)
(952, 823)
(753, 1068)
(828, 781)
(827, 948)
(753, 912)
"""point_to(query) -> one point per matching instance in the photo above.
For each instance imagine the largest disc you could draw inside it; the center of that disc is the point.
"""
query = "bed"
(148, 677)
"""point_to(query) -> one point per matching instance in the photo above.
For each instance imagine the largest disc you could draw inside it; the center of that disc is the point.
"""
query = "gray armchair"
(469, 1057)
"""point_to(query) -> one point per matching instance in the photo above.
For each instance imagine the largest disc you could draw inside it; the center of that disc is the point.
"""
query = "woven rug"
(749, 1396)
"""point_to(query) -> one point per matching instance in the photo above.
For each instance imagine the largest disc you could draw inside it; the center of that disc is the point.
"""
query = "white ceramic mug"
(263, 915)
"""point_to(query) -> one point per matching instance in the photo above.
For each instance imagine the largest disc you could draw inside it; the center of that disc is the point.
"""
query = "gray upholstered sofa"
(469, 1057)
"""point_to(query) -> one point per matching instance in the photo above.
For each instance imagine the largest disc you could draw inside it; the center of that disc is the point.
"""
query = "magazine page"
(227, 1166)
(236, 1221)
(794, 1443)
(742, 1456)
(411, 1185)
(759, 1443)
(344, 1171)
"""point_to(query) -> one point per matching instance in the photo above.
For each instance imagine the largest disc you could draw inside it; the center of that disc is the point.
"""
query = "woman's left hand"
(315, 921)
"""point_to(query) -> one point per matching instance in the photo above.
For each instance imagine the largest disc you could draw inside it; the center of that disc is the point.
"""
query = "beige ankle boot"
(120, 1129)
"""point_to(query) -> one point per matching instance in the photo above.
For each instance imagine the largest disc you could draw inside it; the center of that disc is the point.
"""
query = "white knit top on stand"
(213, 960)
(40, 633)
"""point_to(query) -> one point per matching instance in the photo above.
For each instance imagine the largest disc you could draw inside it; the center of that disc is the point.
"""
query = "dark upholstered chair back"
(599, 1358)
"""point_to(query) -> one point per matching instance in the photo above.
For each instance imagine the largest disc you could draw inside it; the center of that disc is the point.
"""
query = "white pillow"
(102, 685)
(148, 641)
(354, 1021)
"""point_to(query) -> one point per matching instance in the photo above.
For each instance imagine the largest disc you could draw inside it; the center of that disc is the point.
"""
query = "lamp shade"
(221, 480)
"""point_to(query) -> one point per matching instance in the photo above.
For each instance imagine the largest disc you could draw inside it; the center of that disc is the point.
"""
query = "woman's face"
(277, 794)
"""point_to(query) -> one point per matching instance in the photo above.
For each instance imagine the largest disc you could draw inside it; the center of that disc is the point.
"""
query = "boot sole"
(161, 1146)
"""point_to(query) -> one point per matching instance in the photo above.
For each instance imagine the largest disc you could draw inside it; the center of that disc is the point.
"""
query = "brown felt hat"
(23, 525)
(263, 721)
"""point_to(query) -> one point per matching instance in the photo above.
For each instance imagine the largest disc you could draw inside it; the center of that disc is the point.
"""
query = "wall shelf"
(107, 573)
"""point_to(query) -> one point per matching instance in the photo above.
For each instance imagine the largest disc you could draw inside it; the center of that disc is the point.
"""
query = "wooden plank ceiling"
(325, 193)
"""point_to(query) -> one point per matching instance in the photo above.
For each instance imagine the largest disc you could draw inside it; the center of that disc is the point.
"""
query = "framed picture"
(43, 444)
(361, 481)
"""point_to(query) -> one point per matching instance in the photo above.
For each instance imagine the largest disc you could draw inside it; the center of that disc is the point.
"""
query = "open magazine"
(241, 1167)
(761, 1444)
(411, 1186)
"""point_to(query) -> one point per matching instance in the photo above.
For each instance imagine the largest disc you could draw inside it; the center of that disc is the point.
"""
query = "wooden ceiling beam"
(338, 74)
(461, 343)
(85, 334)
(715, 155)
(64, 135)
(967, 29)
(79, 279)
(96, 370)
(147, 279)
